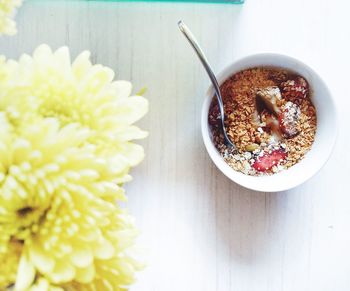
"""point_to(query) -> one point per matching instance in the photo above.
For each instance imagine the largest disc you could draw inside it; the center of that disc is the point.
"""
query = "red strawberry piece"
(268, 160)
(295, 89)
(288, 120)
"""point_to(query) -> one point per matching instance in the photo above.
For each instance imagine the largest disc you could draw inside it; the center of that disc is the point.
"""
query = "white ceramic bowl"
(325, 134)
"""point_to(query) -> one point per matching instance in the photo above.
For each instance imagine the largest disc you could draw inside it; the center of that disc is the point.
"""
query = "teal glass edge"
(202, 1)
(168, 1)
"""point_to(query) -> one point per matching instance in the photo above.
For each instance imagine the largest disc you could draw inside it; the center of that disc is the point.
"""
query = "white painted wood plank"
(202, 232)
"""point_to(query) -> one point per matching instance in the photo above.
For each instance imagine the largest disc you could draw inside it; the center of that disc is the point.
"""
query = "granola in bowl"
(269, 117)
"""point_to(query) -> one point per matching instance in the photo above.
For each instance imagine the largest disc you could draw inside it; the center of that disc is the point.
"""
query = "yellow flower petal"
(82, 257)
(62, 57)
(62, 272)
(41, 259)
(132, 109)
(81, 65)
(122, 88)
(134, 153)
(132, 132)
(85, 275)
(103, 250)
(25, 275)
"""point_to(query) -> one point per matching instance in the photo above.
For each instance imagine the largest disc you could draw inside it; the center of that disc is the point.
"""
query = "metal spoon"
(192, 40)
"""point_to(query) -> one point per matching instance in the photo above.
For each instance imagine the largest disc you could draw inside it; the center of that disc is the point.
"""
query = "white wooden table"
(202, 232)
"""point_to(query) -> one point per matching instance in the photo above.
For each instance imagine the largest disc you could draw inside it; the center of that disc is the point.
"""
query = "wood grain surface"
(201, 231)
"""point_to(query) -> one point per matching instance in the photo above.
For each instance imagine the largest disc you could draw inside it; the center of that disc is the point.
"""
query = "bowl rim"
(234, 175)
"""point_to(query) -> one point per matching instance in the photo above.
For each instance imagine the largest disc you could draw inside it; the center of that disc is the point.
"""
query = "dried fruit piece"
(289, 119)
(268, 160)
(268, 98)
(295, 90)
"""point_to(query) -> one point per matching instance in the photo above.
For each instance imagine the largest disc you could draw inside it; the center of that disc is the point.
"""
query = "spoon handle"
(192, 40)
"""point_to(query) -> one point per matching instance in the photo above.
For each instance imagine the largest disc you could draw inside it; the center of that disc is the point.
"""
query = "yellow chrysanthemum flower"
(65, 148)
(48, 85)
(7, 10)
(9, 263)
